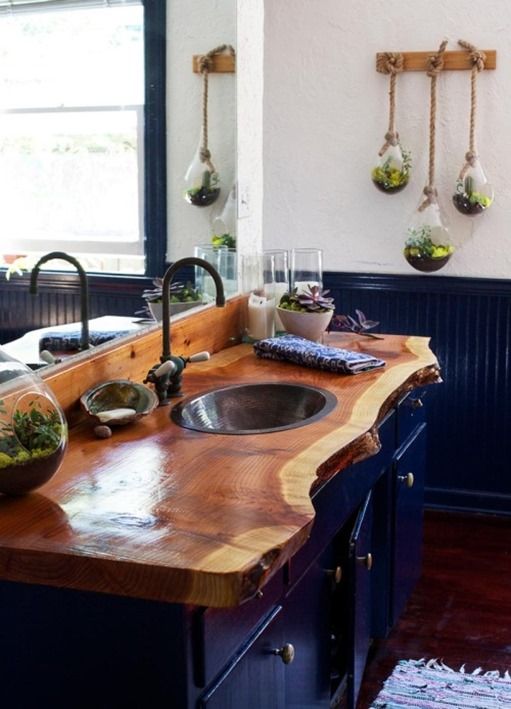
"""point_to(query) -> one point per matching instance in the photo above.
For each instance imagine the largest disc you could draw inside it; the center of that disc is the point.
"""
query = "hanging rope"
(435, 66)
(478, 59)
(205, 65)
(390, 63)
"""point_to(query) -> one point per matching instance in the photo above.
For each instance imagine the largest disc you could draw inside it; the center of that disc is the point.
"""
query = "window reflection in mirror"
(71, 131)
(84, 123)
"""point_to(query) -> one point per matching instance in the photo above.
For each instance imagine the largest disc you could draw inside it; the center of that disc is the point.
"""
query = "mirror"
(190, 30)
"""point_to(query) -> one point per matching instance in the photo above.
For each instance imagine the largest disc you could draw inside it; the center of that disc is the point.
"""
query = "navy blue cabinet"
(301, 642)
(360, 567)
(408, 473)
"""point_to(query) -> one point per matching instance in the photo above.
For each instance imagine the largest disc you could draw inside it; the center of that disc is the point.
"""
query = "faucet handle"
(168, 367)
(199, 357)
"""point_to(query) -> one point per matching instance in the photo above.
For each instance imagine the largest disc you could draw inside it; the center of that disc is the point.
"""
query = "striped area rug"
(433, 685)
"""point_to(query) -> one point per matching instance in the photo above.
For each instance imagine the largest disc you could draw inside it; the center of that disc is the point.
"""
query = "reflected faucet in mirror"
(84, 289)
(167, 375)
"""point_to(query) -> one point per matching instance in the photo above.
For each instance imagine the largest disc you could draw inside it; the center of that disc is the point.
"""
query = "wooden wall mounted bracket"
(457, 60)
(222, 64)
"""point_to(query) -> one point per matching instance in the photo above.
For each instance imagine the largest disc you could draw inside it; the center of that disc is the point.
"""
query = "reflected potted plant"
(307, 313)
(183, 296)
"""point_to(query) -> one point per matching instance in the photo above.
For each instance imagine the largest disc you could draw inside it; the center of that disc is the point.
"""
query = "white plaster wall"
(250, 125)
(196, 28)
(326, 111)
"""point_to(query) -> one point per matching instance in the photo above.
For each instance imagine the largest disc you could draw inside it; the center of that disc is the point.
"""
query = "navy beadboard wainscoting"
(469, 415)
(468, 320)
(58, 300)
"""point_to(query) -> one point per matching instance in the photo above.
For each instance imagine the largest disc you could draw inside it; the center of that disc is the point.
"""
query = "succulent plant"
(224, 240)
(359, 326)
(313, 300)
(179, 292)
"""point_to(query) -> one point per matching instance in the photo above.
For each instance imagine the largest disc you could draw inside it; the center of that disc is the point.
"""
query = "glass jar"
(33, 429)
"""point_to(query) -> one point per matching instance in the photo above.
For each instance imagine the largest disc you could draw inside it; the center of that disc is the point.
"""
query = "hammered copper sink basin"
(254, 408)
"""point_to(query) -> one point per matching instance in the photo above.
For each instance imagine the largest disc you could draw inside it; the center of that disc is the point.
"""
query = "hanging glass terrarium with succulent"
(427, 246)
(392, 170)
(202, 181)
(473, 194)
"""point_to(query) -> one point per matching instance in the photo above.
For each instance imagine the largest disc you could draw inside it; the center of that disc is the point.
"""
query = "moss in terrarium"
(206, 193)
(469, 201)
(32, 435)
(387, 177)
(422, 253)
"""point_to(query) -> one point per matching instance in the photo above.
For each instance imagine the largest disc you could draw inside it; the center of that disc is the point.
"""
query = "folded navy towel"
(71, 340)
(311, 354)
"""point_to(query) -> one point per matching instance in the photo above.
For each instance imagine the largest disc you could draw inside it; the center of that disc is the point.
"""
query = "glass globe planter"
(33, 429)
(202, 182)
(473, 194)
(427, 246)
(392, 172)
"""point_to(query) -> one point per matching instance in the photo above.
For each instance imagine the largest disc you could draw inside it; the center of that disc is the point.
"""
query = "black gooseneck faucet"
(167, 378)
(84, 289)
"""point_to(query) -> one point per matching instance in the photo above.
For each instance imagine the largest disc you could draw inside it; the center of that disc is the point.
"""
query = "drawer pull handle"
(416, 403)
(367, 560)
(408, 479)
(286, 653)
(336, 574)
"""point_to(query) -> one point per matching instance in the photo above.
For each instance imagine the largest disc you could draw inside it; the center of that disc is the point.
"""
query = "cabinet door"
(360, 564)
(255, 676)
(307, 625)
(409, 472)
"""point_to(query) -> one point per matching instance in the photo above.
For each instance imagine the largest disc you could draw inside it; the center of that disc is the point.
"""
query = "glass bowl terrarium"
(392, 172)
(202, 181)
(473, 194)
(33, 429)
(427, 246)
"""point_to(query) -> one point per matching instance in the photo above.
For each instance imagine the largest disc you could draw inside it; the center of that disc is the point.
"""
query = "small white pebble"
(103, 431)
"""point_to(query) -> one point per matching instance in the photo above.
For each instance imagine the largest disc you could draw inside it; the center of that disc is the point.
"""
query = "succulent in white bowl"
(307, 313)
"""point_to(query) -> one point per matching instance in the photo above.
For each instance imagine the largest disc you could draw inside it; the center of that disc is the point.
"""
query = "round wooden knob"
(407, 479)
(286, 653)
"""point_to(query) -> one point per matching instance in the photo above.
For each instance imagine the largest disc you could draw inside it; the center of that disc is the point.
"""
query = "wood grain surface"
(165, 513)
(131, 357)
(455, 60)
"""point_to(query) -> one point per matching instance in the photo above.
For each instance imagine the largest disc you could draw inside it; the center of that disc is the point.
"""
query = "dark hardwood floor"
(460, 611)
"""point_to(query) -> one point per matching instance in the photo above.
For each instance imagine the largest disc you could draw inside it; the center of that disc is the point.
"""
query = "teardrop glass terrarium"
(223, 222)
(33, 429)
(473, 194)
(392, 172)
(202, 182)
(427, 246)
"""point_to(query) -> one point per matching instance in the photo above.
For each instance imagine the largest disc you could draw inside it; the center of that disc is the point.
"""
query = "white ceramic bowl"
(308, 325)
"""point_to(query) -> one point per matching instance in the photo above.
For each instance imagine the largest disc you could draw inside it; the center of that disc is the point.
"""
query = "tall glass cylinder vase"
(306, 269)
(224, 260)
(276, 277)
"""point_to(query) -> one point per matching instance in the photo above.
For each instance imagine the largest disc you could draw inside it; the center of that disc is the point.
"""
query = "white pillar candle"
(261, 312)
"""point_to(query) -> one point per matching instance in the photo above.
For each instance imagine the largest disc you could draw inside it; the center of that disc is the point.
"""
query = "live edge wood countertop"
(159, 512)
